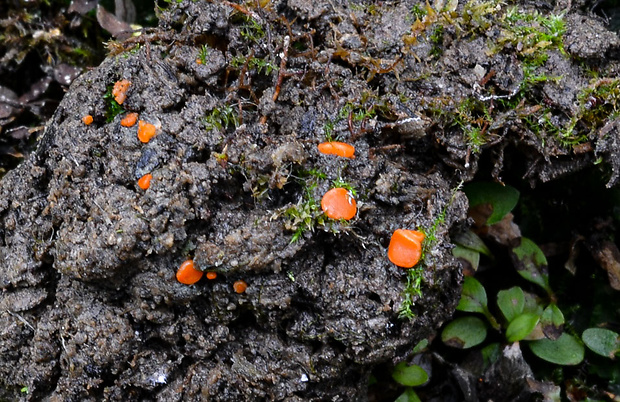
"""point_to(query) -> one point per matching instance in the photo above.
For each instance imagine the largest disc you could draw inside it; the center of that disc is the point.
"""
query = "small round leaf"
(511, 302)
(408, 396)
(464, 332)
(521, 327)
(602, 341)
(473, 297)
(566, 350)
(410, 376)
(502, 199)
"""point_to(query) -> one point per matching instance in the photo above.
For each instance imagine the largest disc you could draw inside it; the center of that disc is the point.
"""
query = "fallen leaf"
(108, 21)
(607, 256)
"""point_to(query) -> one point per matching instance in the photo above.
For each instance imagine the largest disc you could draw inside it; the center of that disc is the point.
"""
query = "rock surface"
(91, 308)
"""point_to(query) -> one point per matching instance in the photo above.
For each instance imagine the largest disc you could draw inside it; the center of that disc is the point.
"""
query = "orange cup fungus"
(211, 275)
(146, 131)
(338, 203)
(240, 286)
(88, 119)
(129, 120)
(405, 247)
(337, 148)
(120, 91)
(187, 274)
(145, 181)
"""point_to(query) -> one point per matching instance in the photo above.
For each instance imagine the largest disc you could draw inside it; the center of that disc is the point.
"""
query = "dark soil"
(91, 308)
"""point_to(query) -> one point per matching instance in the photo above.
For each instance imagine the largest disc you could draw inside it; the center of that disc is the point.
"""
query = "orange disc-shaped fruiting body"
(405, 247)
(337, 148)
(145, 181)
(187, 274)
(146, 131)
(120, 91)
(88, 119)
(129, 120)
(240, 286)
(211, 275)
(338, 203)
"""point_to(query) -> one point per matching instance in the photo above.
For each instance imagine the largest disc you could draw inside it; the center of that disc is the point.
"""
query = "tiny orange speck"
(88, 119)
(146, 131)
(120, 91)
(240, 286)
(337, 148)
(187, 274)
(211, 275)
(145, 181)
(129, 120)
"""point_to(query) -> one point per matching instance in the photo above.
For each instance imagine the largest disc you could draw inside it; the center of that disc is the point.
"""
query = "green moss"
(221, 118)
(261, 66)
(203, 53)
(413, 288)
(113, 108)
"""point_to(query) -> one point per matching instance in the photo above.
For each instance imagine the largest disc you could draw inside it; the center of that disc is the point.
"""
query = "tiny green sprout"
(252, 30)
(24, 390)
(203, 53)
(339, 182)
(221, 118)
(418, 12)
(260, 65)
(291, 276)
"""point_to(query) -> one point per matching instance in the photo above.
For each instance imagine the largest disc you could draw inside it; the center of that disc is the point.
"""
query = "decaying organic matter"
(91, 308)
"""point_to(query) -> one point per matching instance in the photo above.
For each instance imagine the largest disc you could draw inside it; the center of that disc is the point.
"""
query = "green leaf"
(472, 241)
(469, 255)
(501, 198)
(420, 346)
(521, 327)
(532, 304)
(408, 396)
(551, 321)
(473, 297)
(411, 376)
(565, 351)
(464, 332)
(531, 263)
(602, 341)
(490, 354)
(511, 302)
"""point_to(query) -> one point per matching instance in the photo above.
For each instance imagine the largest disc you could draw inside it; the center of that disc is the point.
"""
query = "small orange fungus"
(145, 181)
(88, 119)
(240, 286)
(187, 274)
(198, 61)
(337, 148)
(338, 203)
(120, 91)
(146, 131)
(211, 275)
(129, 120)
(405, 247)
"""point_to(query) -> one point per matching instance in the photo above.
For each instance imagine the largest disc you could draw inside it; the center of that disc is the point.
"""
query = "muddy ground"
(241, 95)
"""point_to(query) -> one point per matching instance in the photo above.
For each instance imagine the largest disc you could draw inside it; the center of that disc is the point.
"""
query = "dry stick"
(243, 10)
(281, 74)
(283, 60)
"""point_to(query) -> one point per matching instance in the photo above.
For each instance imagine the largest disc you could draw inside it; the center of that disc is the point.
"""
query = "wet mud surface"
(91, 308)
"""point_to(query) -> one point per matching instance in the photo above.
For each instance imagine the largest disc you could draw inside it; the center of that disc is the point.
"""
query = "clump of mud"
(240, 97)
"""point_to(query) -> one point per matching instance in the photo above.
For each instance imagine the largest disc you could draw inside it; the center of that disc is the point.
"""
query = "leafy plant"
(221, 118)
(113, 108)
